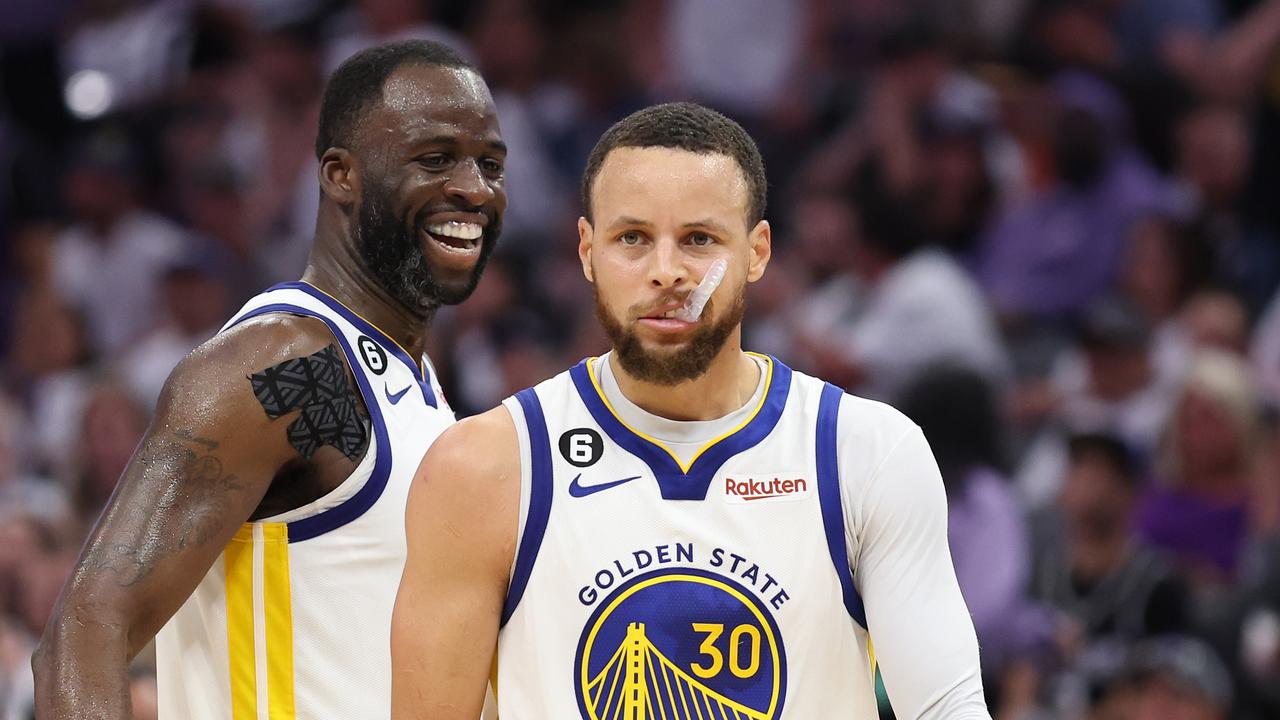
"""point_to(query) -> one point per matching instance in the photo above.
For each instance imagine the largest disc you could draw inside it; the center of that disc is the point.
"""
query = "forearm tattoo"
(318, 386)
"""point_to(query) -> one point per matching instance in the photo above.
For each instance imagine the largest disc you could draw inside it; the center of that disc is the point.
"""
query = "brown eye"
(434, 162)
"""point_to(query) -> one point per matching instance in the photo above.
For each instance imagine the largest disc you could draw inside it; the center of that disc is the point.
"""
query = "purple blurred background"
(1048, 230)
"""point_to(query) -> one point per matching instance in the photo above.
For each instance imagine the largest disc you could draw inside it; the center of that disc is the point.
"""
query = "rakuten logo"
(750, 489)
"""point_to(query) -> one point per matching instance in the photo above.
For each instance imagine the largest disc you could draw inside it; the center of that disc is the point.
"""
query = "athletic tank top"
(645, 586)
(294, 618)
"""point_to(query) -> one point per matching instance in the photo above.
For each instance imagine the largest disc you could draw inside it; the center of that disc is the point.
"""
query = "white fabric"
(896, 537)
(114, 280)
(925, 310)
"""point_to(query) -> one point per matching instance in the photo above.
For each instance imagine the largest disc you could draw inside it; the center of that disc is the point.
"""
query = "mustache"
(490, 214)
(640, 310)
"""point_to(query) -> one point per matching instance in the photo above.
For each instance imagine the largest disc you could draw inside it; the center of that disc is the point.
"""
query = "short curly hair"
(683, 126)
(358, 82)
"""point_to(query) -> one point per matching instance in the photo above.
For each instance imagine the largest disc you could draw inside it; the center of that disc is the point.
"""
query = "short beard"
(394, 254)
(680, 365)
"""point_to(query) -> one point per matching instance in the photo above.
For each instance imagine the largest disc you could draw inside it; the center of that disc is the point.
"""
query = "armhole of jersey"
(539, 504)
(830, 498)
(357, 503)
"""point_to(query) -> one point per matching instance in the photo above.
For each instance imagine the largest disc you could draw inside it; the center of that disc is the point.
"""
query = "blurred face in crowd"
(825, 239)
(432, 198)
(1208, 437)
(1151, 276)
(661, 218)
(1159, 698)
(1096, 499)
(1213, 153)
(195, 301)
(1217, 320)
(1117, 370)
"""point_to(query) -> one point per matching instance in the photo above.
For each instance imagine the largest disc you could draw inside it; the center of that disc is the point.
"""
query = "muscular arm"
(922, 633)
(461, 529)
(201, 470)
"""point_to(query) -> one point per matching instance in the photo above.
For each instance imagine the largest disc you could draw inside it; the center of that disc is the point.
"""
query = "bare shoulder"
(478, 455)
(257, 343)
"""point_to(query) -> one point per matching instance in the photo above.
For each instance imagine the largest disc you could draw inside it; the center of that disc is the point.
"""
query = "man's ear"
(340, 176)
(586, 235)
(761, 242)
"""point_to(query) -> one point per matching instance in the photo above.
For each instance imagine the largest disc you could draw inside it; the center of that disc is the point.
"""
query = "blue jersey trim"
(540, 494)
(368, 328)
(829, 498)
(675, 483)
(364, 498)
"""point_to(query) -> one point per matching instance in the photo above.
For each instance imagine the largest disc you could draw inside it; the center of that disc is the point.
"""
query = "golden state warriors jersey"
(645, 586)
(294, 619)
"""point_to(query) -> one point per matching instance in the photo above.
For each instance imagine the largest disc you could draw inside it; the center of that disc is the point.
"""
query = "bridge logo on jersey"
(680, 644)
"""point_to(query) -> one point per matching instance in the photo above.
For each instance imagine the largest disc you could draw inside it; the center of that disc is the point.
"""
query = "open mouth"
(461, 238)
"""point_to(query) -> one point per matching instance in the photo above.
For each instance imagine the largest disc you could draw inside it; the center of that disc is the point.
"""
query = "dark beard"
(676, 366)
(393, 253)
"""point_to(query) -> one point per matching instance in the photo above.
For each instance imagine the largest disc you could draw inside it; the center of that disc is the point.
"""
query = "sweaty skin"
(216, 454)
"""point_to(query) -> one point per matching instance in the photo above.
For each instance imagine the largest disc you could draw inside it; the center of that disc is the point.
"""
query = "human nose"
(467, 183)
(667, 265)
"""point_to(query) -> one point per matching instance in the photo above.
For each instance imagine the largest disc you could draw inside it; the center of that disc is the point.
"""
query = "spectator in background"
(112, 425)
(1108, 383)
(21, 491)
(51, 367)
(1175, 678)
(988, 535)
(1199, 511)
(1165, 263)
(1213, 165)
(919, 306)
(1051, 255)
(372, 22)
(1265, 351)
(109, 262)
(195, 306)
(1113, 588)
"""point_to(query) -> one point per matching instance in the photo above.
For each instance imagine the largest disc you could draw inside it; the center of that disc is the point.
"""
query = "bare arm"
(461, 526)
(200, 471)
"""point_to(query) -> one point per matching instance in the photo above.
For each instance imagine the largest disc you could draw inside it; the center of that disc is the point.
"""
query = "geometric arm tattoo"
(317, 385)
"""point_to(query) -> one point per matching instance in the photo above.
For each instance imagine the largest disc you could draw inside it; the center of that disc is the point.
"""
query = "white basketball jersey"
(294, 618)
(645, 587)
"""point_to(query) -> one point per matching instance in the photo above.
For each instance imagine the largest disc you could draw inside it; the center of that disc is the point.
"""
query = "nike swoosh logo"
(395, 398)
(578, 490)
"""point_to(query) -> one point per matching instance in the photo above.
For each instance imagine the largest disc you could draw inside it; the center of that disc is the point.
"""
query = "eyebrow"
(707, 223)
(452, 141)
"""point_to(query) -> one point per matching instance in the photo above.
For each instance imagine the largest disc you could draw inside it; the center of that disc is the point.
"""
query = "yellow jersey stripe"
(684, 467)
(278, 615)
(238, 567)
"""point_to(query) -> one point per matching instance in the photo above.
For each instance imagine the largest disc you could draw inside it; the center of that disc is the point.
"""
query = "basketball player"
(261, 521)
(680, 529)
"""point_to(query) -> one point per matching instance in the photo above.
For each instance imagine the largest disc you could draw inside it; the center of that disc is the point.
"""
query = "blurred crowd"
(1048, 230)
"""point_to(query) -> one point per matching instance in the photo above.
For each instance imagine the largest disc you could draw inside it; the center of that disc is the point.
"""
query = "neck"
(727, 385)
(336, 268)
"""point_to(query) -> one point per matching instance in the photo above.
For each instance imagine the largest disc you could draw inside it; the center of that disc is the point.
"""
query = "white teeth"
(458, 230)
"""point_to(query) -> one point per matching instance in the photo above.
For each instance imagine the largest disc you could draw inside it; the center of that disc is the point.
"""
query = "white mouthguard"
(697, 300)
